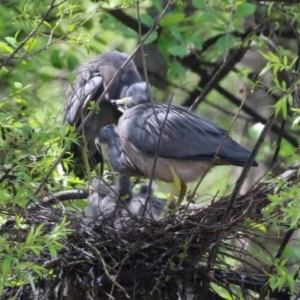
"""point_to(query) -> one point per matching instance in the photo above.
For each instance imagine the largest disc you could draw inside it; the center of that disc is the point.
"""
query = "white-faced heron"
(185, 145)
(119, 205)
(91, 79)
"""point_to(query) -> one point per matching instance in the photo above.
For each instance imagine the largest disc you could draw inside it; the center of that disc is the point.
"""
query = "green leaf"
(30, 235)
(30, 45)
(52, 250)
(176, 70)
(171, 19)
(5, 49)
(245, 9)
(18, 85)
(296, 122)
(265, 69)
(57, 59)
(226, 42)
(47, 24)
(72, 62)
(31, 280)
(147, 19)
(177, 50)
(12, 41)
(208, 16)
(176, 33)
(197, 43)
(281, 106)
(291, 282)
(6, 266)
(285, 60)
(152, 37)
(199, 3)
(158, 5)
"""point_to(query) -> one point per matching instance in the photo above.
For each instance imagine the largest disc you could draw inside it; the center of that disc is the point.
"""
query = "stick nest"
(164, 259)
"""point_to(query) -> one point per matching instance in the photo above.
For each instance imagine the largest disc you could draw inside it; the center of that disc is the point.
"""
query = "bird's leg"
(122, 102)
(175, 188)
(182, 193)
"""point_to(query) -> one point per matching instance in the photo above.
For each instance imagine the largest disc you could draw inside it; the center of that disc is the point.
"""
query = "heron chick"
(184, 144)
(120, 205)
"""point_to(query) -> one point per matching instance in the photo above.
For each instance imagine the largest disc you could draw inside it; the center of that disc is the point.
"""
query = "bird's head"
(105, 138)
(135, 94)
(139, 94)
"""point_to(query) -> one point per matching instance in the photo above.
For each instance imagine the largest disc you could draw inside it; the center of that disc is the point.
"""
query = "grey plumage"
(108, 141)
(102, 202)
(91, 80)
(188, 143)
(119, 205)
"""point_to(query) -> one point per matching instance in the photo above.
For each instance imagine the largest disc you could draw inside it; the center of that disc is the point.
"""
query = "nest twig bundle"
(165, 259)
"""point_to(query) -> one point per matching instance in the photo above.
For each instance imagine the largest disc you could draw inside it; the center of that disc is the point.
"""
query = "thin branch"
(61, 196)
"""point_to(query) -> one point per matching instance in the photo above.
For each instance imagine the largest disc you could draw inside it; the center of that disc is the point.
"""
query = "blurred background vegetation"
(237, 58)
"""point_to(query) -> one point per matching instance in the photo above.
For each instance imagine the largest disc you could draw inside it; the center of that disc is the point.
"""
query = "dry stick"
(240, 181)
(113, 280)
(61, 196)
(87, 118)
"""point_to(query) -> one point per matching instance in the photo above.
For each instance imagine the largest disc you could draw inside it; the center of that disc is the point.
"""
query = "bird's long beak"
(122, 103)
(98, 146)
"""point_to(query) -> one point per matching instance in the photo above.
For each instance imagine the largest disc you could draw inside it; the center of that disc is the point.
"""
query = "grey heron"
(184, 144)
(92, 77)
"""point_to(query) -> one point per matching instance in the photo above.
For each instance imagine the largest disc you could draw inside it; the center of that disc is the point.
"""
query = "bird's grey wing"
(183, 136)
(79, 97)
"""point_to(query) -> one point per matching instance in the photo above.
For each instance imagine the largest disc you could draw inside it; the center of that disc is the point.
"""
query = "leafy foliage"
(41, 42)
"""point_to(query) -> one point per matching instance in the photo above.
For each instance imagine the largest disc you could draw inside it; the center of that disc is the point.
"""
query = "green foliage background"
(41, 42)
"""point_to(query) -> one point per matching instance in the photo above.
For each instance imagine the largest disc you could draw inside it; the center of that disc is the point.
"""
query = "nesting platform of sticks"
(172, 258)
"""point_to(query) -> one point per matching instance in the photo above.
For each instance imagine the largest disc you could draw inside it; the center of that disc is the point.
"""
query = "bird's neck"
(114, 156)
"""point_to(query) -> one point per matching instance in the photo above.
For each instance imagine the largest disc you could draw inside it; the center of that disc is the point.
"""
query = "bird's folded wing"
(180, 134)
(79, 98)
